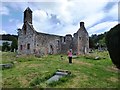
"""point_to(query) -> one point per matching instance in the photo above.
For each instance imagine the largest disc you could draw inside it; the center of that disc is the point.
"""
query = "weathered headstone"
(59, 74)
(6, 66)
(74, 56)
(97, 58)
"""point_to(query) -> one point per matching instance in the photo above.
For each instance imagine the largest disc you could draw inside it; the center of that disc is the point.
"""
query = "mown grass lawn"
(30, 71)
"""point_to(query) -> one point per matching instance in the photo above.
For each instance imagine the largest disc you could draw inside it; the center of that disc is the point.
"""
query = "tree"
(113, 44)
(91, 43)
(12, 38)
(0, 48)
(98, 41)
(102, 42)
(5, 46)
(14, 44)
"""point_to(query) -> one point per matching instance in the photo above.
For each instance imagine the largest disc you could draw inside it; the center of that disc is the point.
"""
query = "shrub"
(113, 44)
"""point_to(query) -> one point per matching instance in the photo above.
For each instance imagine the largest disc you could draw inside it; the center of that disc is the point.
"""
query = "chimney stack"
(81, 24)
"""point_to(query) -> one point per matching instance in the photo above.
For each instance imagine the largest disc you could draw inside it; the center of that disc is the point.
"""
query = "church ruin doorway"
(51, 49)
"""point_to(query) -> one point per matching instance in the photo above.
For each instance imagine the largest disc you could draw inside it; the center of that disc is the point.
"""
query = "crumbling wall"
(26, 40)
(47, 44)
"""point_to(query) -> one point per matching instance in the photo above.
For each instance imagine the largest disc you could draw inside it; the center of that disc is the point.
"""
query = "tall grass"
(31, 71)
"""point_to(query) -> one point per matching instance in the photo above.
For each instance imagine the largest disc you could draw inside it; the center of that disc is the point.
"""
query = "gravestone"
(59, 74)
(6, 66)
(97, 58)
(74, 56)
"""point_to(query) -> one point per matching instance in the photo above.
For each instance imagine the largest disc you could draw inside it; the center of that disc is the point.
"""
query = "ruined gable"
(83, 39)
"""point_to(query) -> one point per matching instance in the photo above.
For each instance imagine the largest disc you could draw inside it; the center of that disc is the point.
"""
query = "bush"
(5, 46)
(113, 44)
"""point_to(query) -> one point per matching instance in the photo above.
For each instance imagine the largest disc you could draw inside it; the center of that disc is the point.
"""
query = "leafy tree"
(5, 46)
(12, 38)
(0, 48)
(14, 44)
(91, 43)
(102, 42)
(98, 40)
(113, 44)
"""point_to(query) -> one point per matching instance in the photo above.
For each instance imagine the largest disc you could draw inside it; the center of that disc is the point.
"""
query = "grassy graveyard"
(86, 72)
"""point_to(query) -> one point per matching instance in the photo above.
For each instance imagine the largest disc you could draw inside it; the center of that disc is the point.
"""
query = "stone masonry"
(32, 42)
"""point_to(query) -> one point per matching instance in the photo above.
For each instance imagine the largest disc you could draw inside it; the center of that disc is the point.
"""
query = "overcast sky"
(60, 17)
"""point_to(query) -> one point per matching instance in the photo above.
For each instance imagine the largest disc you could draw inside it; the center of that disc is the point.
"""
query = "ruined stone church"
(32, 42)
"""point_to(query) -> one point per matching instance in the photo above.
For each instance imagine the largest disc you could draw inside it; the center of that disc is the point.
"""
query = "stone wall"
(33, 42)
(66, 43)
(83, 40)
(47, 44)
(26, 40)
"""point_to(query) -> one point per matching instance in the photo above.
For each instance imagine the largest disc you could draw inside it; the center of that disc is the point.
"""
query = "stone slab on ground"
(7, 65)
(74, 56)
(58, 74)
(54, 78)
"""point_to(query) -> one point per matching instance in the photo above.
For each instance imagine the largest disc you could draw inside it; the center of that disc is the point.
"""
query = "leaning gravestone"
(59, 74)
(113, 44)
